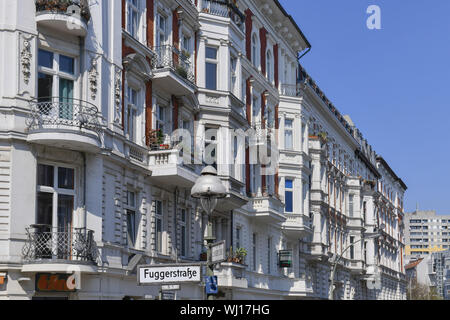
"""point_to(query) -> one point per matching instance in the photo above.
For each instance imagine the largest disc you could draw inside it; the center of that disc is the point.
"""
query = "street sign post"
(218, 252)
(169, 274)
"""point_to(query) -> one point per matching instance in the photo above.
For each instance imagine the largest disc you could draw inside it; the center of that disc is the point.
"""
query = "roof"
(413, 264)
(391, 172)
(293, 22)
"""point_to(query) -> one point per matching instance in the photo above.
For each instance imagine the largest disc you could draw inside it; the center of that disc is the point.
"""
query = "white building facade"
(92, 179)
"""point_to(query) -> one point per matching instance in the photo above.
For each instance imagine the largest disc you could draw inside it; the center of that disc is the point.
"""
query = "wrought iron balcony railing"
(168, 56)
(224, 9)
(290, 90)
(70, 7)
(48, 244)
(57, 113)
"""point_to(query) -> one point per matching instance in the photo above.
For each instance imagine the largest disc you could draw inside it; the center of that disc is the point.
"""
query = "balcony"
(295, 226)
(224, 9)
(268, 209)
(290, 90)
(173, 69)
(68, 16)
(50, 250)
(65, 123)
(168, 166)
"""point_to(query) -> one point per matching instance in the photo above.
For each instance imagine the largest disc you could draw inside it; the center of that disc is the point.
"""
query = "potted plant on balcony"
(240, 254)
(181, 72)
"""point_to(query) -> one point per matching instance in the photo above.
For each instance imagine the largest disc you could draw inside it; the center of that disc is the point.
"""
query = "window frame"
(215, 63)
(55, 190)
(133, 8)
(57, 74)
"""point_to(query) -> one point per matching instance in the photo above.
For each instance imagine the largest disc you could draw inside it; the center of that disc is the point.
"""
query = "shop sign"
(285, 258)
(46, 282)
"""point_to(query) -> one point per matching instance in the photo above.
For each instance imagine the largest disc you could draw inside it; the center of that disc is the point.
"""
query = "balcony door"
(55, 197)
(56, 84)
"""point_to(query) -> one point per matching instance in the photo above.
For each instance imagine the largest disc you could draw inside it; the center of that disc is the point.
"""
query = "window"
(186, 44)
(269, 254)
(211, 146)
(130, 207)
(233, 75)
(211, 68)
(158, 225)
(254, 251)
(130, 124)
(238, 237)
(55, 197)
(160, 117)
(56, 78)
(184, 233)
(269, 64)
(255, 109)
(133, 17)
(288, 196)
(288, 134)
(350, 205)
(352, 249)
(161, 31)
(255, 57)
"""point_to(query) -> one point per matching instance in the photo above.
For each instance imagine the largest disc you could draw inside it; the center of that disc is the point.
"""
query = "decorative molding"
(117, 95)
(93, 78)
(25, 59)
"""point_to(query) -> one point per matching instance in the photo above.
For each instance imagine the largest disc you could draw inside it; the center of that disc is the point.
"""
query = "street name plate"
(218, 252)
(170, 287)
(169, 274)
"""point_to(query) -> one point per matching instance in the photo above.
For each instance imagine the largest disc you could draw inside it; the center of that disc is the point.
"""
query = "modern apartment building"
(109, 110)
(426, 233)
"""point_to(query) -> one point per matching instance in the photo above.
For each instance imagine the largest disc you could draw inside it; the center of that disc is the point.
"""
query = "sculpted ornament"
(25, 60)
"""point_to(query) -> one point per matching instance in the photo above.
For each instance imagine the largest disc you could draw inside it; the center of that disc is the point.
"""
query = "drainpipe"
(299, 57)
(231, 228)
(175, 196)
(84, 193)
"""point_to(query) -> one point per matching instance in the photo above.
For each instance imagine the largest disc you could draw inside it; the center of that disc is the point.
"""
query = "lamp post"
(338, 258)
(209, 188)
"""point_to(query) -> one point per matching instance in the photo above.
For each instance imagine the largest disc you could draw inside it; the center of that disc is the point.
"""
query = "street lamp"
(338, 258)
(209, 188)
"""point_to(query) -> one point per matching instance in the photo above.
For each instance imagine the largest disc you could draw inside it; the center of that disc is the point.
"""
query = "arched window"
(269, 64)
(255, 57)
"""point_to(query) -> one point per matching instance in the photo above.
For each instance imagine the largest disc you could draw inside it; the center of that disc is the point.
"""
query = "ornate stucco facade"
(92, 181)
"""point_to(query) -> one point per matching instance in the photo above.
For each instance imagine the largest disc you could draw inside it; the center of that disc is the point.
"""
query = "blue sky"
(393, 82)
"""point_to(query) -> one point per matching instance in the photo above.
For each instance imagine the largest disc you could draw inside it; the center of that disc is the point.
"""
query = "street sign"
(169, 274)
(218, 252)
(167, 295)
(211, 286)
(170, 287)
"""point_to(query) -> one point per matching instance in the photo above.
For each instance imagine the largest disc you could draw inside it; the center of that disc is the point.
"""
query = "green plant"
(241, 253)
(181, 72)
(186, 54)
(160, 137)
